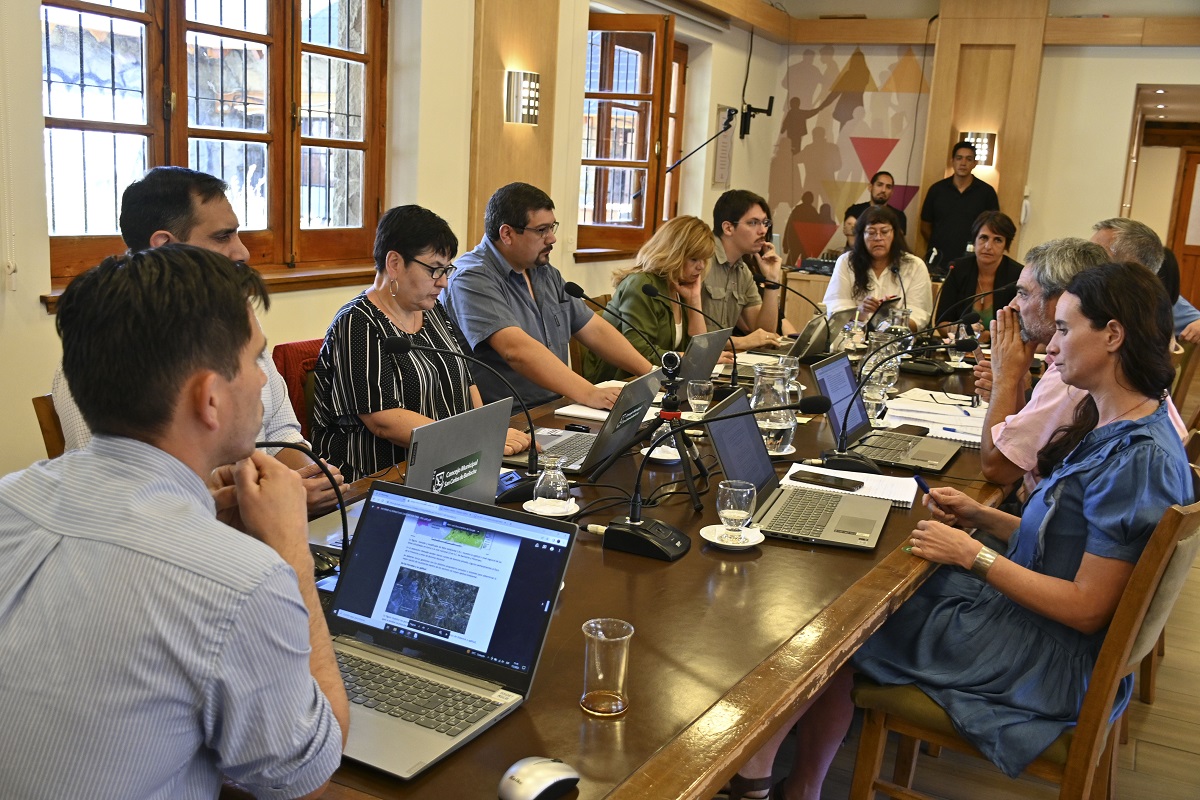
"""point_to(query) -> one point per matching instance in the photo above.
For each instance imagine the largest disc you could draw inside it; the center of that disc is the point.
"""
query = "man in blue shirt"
(147, 647)
(509, 303)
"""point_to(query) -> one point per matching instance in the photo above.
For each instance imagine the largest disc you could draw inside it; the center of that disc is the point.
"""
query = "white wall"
(1154, 186)
(1081, 132)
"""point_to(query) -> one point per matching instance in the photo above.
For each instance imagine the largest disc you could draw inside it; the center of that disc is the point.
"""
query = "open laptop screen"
(742, 459)
(835, 380)
(461, 584)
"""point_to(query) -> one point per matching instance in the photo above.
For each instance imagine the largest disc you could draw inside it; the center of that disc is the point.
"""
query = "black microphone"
(655, 538)
(975, 297)
(970, 318)
(516, 489)
(575, 290)
(841, 458)
(650, 290)
(769, 284)
(895, 268)
(328, 476)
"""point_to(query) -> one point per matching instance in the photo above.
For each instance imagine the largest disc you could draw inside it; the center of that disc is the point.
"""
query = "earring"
(392, 286)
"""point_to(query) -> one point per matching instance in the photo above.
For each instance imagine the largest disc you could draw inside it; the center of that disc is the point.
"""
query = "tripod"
(668, 414)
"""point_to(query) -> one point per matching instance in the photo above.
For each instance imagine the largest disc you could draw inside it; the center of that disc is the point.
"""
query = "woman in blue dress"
(1006, 643)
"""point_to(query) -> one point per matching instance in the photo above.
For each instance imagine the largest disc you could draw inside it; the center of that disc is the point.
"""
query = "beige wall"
(1154, 186)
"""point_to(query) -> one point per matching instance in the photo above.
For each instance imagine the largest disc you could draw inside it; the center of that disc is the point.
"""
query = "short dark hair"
(163, 201)
(733, 205)
(875, 177)
(409, 230)
(512, 205)
(999, 222)
(963, 145)
(137, 326)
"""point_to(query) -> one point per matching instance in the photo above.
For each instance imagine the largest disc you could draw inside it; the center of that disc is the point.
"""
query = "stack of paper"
(947, 416)
(900, 492)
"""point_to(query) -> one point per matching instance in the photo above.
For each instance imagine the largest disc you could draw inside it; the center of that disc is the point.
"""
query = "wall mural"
(850, 112)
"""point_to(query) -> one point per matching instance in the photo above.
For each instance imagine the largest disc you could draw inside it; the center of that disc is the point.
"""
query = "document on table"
(900, 492)
(947, 416)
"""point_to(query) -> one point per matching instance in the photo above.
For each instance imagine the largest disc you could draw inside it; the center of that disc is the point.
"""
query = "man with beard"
(510, 306)
(1015, 430)
(882, 184)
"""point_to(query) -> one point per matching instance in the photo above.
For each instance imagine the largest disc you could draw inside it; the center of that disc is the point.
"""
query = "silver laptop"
(835, 379)
(460, 454)
(583, 452)
(439, 619)
(701, 357)
(788, 512)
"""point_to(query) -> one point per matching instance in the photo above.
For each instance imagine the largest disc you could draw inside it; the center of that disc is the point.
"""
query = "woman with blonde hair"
(673, 261)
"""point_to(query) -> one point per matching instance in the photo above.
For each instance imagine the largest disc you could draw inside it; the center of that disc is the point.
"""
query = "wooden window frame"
(289, 258)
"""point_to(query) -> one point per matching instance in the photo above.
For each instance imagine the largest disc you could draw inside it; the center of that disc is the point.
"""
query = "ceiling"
(1182, 102)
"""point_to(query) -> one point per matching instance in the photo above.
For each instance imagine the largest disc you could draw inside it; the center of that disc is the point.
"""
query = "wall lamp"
(522, 97)
(985, 146)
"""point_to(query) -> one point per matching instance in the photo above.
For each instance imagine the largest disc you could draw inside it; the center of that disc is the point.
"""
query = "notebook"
(460, 454)
(440, 600)
(783, 512)
(583, 452)
(835, 379)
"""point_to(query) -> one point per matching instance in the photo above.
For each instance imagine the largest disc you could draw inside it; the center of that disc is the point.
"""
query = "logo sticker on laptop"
(455, 475)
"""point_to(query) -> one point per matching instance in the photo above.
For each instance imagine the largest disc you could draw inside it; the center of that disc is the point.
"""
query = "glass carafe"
(772, 388)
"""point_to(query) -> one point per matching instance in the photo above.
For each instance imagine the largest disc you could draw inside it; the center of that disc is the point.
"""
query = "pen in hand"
(924, 486)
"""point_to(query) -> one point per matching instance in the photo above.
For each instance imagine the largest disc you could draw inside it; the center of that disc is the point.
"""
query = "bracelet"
(983, 562)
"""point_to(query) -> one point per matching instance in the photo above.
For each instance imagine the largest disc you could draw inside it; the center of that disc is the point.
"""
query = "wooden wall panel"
(509, 34)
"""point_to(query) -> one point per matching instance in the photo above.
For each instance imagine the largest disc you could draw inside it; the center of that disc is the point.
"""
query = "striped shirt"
(354, 376)
(145, 648)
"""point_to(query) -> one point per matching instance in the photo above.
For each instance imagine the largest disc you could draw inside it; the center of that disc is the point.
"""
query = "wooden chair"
(52, 432)
(1083, 759)
(575, 348)
(1184, 373)
(295, 362)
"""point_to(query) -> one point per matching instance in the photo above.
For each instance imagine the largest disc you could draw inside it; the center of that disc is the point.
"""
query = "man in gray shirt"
(509, 303)
(147, 647)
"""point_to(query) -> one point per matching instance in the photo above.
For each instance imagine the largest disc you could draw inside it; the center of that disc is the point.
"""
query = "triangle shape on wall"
(907, 78)
(872, 151)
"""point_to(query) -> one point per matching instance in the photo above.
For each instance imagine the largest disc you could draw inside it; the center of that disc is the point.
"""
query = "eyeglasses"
(757, 223)
(437, 273)
(877, 233)
(543, 231)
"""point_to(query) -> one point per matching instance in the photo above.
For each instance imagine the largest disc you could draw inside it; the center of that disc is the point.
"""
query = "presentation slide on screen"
(838, 386)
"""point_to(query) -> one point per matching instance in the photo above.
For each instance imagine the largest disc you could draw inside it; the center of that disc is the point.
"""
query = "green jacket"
(652, 316)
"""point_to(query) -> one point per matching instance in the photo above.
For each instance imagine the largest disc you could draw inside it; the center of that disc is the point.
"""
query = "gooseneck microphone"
(650, 290)
(328, 476)
(841, 458)
(575, 290)
(516, 489)
(971, 299)
(656, 538)
(769, 284)
(895, 269)
(970, 318)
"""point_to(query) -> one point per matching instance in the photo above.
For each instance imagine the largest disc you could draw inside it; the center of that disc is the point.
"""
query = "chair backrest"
(52, 432)
(296, 361)
(1184, 374)
(574, 347)
(1192, 446)
(1153, 587)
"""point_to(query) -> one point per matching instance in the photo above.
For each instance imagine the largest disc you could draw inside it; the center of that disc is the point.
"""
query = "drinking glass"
(606, 666)
(875, 395)
(552, 492)
(957, 333)
(735, 506)
(700, 395)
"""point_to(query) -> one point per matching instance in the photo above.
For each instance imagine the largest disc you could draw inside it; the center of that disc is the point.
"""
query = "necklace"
(394, 317)
(1139, 404)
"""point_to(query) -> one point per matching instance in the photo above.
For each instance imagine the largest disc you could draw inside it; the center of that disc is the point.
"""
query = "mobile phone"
(575, 426)
(828, 481)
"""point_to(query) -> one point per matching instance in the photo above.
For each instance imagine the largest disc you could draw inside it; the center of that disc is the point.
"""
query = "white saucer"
(531, 507)
(787, 451)
(663, 454)
(691, 416)
(962, 365)
(714, 534)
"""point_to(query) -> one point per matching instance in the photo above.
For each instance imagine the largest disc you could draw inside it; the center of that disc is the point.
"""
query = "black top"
(962, 282)
(857, 209)
(952, 213)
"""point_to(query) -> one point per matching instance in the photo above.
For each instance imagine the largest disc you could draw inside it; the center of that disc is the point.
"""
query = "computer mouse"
(538, 778)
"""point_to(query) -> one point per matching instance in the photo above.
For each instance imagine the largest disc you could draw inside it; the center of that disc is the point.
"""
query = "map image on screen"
(433, 600)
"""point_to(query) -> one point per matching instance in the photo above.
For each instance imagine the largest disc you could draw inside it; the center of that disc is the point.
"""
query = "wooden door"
(1184, 239)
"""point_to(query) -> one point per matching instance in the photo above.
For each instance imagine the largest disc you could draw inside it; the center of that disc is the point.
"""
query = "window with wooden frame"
(282, 100)
(628, 82)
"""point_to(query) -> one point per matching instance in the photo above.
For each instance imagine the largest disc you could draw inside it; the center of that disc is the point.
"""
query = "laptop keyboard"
(801, 512)
(886, 446)
(414, 699)
(573, 449)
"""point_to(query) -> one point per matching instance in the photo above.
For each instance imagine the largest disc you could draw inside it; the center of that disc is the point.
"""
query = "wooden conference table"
(727, 645)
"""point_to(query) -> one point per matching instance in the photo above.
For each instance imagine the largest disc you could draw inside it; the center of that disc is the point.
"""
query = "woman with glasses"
(674, 262)
(987, 269)
(366, 402)
(880, 269)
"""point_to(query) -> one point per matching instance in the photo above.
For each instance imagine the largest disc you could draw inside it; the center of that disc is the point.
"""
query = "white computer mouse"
(538, 778)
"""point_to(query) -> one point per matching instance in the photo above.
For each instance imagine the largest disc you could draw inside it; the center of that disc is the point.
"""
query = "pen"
(951, 430)
(924, 486)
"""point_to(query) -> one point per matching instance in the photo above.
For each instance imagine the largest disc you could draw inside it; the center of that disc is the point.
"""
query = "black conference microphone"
(655, 538)
(575, 290)
(650, 290)
(328, 476)
(514, 486)
(769, 284)
(975, 297)
(840, 457)
(895, 268)
(970, 318)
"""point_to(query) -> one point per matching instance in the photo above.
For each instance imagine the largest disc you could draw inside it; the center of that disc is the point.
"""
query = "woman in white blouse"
(879, 267)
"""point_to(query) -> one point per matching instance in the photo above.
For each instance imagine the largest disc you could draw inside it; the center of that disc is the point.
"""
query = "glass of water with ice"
(735, 506)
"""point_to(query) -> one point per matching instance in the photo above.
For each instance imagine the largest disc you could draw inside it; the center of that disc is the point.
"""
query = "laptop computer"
(460, 454)
(439, 619)
(835, 379)
(583, 452)
(702, 354)
(788, 512)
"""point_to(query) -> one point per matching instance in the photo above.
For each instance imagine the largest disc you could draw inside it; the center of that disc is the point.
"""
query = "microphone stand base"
(515, 487)
(650, 538)
(850, 462)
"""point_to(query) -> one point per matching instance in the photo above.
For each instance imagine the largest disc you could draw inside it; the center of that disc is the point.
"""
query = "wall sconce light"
(522, 97)
(985, 146)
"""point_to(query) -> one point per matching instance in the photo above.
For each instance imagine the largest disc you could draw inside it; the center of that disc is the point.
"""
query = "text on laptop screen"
(835, 380)
(452, 578)
(741, 458)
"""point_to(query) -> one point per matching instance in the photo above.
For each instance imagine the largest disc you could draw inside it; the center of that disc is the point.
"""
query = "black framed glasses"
(437, 273)
(542, 230)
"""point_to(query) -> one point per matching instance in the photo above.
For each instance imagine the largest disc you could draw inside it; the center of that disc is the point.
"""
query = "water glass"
(957, 333)
(605, 666)
(875, 395)
(700, 395)
(735, 506)
(552, 492)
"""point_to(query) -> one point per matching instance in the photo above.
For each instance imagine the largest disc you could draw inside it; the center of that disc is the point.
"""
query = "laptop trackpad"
(926, 454)
(853, 526)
